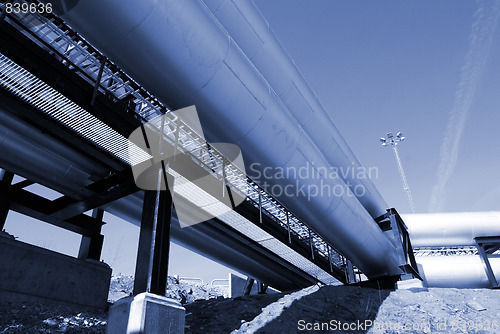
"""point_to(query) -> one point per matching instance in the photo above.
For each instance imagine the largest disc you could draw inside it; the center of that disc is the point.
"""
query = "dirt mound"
(345, 304)
(224, 315)
(329, 309)
(354, 309)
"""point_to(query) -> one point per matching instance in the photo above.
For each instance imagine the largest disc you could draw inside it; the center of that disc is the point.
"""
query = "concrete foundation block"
(237, 285)
(414, 285)
(32, 274)
(146, 313)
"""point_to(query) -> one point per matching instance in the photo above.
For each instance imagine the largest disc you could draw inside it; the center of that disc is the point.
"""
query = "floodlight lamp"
(383, 140)
(399, 135)
(389, 135)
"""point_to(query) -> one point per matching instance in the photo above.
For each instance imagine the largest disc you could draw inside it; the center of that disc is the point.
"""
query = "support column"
(6, 179)
(143, 263)
(248, 286)
(154, 243)
(262, 288)
(350, 276)
(159, 271)
(485, 246)
(91, 246)
(149, 311)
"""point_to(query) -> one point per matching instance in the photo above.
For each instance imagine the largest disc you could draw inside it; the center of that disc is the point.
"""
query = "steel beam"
(161, 252)
(261, 288)
(248, 286)
(91, 246)
(104, 191)
(98, 81)
(350, 276)
(5, 179)
(23, 184)
(38, 207)
(485, 245)
(143, 263)
(154, 243)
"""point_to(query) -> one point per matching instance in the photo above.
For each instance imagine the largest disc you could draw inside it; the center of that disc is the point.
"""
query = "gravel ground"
(439, 311)
(332, 307)
(36, 318)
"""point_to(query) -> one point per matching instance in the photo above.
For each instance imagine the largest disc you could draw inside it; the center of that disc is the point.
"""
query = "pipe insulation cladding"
(249, 29)
(457, 271)
(179, 51)
(451, 229)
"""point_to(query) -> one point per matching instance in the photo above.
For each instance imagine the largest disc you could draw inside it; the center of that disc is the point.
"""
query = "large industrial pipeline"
(457, 271)
(264, 50)
(451, 229)
(255, 113)
(179, 51)
(456, 229)
(23, 145)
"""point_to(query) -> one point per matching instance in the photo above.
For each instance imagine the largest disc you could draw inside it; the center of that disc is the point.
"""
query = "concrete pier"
(146, 313)
(33, 274)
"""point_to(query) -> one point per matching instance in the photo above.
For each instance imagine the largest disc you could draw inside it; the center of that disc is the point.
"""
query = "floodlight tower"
(393, 142)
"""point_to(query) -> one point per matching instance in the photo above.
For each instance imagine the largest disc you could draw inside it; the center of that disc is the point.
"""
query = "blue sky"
(376, 66)
(396, 66)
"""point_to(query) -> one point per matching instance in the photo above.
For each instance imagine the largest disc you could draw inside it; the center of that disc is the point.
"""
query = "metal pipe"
(26, 151)
(249, 29)
(458, 271)
(55, 161)
(179, 51)
(451, 229)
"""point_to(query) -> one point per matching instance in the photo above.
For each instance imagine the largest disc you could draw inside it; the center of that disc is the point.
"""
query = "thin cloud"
(481, 38)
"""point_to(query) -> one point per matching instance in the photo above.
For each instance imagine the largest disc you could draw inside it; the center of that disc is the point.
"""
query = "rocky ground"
(182, 291)
(350, 309)
(37, 318)
(440, 311)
